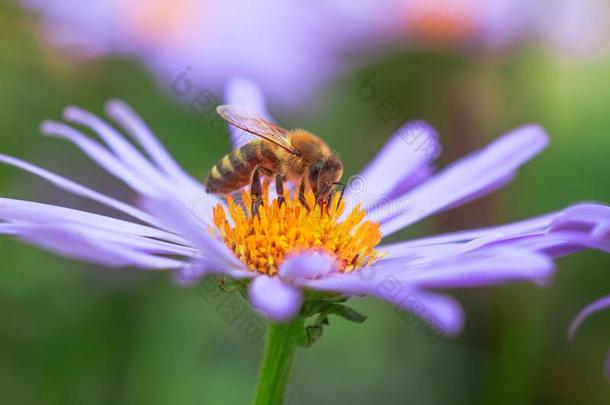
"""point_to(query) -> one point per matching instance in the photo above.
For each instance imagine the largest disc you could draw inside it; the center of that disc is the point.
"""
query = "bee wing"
(241, 118)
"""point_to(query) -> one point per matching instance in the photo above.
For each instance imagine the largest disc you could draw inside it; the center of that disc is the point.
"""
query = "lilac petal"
(481, 268)
(556, 243)
(70, 242)
(139, 165)
(100, 155)
(573, 229)
(143, 244)
(556, 234)
(126, 152)
(406, 154)
(490, 234)
(496, 185)
(127, 163)
(477, 172)
(245, 93)
(596, 306)
(306, 265)
(79, 189)
(179, 218)
(355, 284)
(441, 312)
(192, 272)
(32, 212)
(275, 299)
(137, 128)
(489, 266)
(594, 218)
(419, 176)
(567, 235)
(404, 284)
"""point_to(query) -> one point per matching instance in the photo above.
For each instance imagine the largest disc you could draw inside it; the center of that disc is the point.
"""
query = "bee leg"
(256, 190)
(279, 189)
(302, 199)
(268, 175)
(323, 206)
(337, 183)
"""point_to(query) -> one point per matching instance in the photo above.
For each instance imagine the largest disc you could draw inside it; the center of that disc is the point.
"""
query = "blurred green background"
(71, 333)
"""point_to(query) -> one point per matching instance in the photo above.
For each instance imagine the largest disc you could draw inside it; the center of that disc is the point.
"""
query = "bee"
(296, 156)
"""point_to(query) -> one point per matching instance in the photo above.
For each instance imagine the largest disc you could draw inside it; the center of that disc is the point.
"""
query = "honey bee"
(295, 155)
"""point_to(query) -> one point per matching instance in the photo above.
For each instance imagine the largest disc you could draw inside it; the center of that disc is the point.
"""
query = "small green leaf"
(312, 334)
(312, 307)
(345, 312)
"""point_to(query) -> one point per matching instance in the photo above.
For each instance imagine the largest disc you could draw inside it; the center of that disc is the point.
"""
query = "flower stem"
(280, 345)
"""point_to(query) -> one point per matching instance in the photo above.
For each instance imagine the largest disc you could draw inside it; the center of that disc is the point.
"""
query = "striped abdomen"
(235, 169)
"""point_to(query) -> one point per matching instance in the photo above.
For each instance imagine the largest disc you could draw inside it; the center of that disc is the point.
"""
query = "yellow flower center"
(263, 241)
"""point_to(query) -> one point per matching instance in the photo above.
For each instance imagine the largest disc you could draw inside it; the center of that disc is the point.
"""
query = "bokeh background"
(71, 333)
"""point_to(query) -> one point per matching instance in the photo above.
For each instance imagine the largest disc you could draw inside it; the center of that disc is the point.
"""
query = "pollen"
(262, 241)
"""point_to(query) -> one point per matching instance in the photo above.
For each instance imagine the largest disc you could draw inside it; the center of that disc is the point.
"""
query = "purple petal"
(441, 312)
(471, 175)
(496, 185)
(307, 265)
(79, 189)
(100, 155)
(490, 234)
(192, 272)
(245, 93)
(128, 164)
(123, 114)
(582, 226)
(556, 243)
(406, 155)
(69, 241)
(37, 213)
(126, 152)
(594, 218)
(575, 228)
(596, 306)
(452, 269)
(275, 299)
(481, 268)
(104, 236)
(179, 218)
(419, 176)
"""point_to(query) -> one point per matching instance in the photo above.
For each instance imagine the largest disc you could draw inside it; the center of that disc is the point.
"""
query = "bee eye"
(314, 171)
(333, 163)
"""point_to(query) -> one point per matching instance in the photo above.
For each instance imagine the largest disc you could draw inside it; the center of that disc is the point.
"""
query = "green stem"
(280, 344)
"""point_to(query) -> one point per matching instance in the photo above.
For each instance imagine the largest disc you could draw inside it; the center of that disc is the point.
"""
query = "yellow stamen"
(263, 241)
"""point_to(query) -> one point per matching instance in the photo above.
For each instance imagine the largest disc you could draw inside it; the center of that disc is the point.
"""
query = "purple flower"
(596, 306)
(289, 252)
(578, 27)
(289, 48)
(292, 48)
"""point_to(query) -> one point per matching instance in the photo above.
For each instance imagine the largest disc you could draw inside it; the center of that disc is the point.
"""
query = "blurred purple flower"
(170, 229)
(596, 306)
(574, 27)
(292, 48)
(289, 48)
